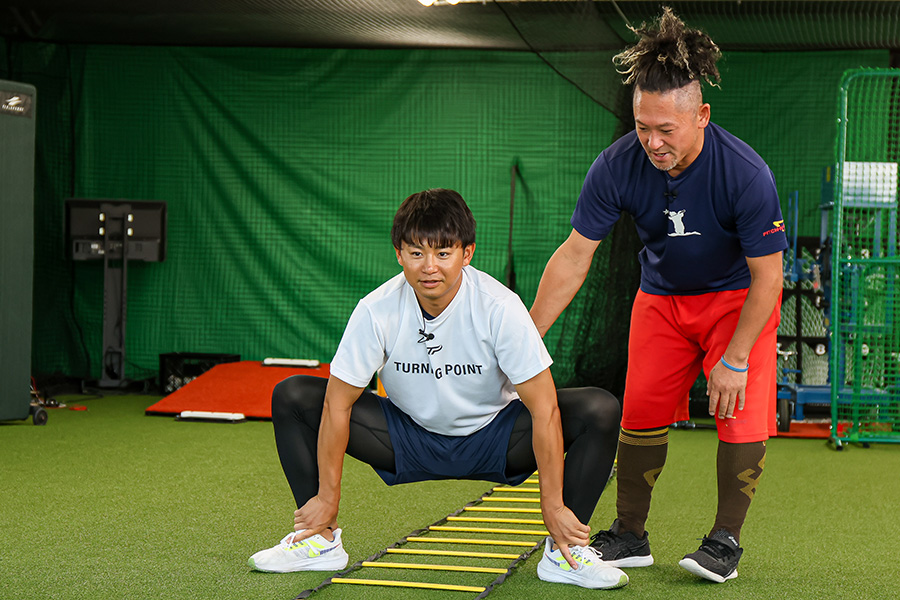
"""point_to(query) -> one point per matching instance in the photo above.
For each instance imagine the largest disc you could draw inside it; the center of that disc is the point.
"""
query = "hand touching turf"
(314, 517)
(566, 530)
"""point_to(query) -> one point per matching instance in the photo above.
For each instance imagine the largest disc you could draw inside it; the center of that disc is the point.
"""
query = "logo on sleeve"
(779, 226)
(677, 218)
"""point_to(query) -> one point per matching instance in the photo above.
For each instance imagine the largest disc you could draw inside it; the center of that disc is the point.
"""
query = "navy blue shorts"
(421, 455)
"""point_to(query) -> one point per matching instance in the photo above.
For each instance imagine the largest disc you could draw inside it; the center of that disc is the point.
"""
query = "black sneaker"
(717, 558)
(622, 549)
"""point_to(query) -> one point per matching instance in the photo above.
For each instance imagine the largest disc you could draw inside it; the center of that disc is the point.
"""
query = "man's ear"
(468, 251)
(703, 116)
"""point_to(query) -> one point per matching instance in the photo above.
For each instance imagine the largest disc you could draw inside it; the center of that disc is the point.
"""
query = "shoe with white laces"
(591, 573)
(315, 553)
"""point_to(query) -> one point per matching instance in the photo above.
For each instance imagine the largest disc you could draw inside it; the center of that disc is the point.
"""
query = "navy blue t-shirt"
(697, 228)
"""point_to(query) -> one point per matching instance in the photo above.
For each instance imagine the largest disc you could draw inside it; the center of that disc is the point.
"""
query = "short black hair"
(669, 56)
(439, 218)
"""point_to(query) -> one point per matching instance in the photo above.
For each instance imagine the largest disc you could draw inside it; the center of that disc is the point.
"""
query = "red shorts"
(671, 339)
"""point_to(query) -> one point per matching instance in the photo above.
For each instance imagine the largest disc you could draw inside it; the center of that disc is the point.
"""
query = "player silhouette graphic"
(677, 218)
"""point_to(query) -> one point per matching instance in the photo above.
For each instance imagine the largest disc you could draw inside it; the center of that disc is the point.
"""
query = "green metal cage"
(865, 308)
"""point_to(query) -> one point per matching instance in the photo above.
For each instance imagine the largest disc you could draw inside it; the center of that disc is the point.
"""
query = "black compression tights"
(590, 423)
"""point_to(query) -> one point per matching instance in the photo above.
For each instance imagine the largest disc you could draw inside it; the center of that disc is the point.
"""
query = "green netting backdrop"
(865, 353)
(282, 169)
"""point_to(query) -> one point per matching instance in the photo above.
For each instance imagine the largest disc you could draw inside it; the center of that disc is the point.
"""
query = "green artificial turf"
(109, 503)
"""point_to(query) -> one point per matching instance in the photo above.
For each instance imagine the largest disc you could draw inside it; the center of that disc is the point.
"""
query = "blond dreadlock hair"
(668, 56)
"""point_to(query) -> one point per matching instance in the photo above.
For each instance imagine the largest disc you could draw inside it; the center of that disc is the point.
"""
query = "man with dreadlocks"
(706, 209)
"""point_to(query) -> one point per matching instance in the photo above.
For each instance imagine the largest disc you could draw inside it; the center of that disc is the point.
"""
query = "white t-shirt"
(458, 380)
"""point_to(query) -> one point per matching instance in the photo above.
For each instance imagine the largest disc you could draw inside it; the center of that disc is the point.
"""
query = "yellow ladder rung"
(517, 489)
(502, 499)
(533, 511)
(452, 553)
(428, 567)
(489, 530)
(535, 480)
(437, 540)
(410, 584)
(496, 520)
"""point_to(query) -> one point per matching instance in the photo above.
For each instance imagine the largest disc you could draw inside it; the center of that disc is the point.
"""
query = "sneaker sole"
(631, 561)
(557, 575)
(334, 565)
(689, 564)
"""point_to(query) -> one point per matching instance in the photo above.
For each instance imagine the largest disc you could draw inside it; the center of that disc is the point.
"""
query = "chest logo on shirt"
(677, 218)
(427, 337)
(458, 370)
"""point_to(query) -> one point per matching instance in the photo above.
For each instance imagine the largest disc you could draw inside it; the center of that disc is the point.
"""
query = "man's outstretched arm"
(726, 387)
(563, 276)
(538, 394)
(320, 512)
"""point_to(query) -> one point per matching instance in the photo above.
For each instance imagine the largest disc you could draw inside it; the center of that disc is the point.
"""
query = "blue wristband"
(727, 366)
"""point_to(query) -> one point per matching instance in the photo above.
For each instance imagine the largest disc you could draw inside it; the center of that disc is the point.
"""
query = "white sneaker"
(312, 554)
(591, 573)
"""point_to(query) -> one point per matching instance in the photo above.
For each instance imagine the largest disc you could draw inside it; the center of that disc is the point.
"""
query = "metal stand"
(116, 228)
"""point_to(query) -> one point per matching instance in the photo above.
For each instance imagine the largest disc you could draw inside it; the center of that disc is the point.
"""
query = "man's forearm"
(334, 434)
(563, 276)
(548, 452)
(762, 298)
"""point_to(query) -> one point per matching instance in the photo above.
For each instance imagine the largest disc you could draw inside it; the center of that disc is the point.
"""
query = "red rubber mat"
(804, 429)
(239, 387)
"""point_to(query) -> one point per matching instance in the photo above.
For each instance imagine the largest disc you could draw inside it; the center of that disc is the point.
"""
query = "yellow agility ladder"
(473, 512)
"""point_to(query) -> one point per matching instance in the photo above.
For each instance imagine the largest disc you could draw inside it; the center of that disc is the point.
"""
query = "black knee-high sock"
(739, 468)
(642, 455)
